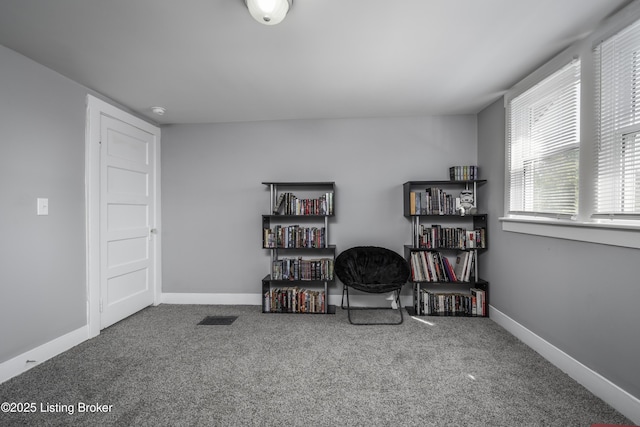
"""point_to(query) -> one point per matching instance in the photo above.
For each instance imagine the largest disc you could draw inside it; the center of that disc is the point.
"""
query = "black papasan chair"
(372, 269)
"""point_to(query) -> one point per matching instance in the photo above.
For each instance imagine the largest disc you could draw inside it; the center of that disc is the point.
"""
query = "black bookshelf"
(446, 244)
(296, 232)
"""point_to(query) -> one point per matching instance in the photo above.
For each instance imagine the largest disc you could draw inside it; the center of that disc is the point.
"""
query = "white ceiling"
(209, 61)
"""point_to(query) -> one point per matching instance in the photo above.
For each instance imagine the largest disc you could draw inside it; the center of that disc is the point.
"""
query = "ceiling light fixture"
(158, 110)
(268, 12)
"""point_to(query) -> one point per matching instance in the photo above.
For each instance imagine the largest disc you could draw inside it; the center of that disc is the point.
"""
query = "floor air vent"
(218, 320)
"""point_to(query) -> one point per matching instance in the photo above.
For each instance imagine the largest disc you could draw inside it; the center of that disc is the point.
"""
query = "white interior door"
(127, 221)
(122, 168)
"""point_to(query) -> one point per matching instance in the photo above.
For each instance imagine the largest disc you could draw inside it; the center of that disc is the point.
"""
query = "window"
(543, 145)
(573, 140)
(617, 106)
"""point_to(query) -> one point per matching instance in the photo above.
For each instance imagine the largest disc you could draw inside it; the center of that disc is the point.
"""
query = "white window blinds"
(543, 146)
(617, 61)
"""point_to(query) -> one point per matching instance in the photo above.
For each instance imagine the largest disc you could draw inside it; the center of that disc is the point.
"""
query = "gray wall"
(213, 198)
(580, 297)
(42, 258)
(212, 194)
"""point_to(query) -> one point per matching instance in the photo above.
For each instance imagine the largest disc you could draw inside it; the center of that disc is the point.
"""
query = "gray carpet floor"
(160, 368)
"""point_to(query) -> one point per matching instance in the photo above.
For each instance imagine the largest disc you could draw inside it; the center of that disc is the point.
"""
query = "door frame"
(95, 109)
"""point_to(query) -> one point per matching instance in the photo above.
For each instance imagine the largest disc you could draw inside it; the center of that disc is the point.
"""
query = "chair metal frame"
(389, 284)
(396, 294)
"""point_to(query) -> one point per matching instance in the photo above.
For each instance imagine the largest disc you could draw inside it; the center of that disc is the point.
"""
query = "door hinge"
(101, 305)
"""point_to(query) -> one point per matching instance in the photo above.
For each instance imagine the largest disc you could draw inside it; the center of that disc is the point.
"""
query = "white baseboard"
(212, 299)
(623, 402)
(25, 361)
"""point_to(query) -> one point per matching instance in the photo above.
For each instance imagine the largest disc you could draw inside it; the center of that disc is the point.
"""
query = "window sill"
(622, 234)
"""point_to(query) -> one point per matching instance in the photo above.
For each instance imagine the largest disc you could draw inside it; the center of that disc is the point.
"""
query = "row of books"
(302, 269)
(294, 300)
(432, 266)
(433, 201)
(452, 303)
(463, 173)
(436, 236)
(294, 236)
(289, 204)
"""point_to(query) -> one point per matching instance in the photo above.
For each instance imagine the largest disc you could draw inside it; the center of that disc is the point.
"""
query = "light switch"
(43, 206)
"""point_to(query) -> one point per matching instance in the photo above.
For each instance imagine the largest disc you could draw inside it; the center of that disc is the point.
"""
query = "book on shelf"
(467, 266)
(432, 303)
(278, 206)
(294, 236)
(289, 204)
(294, 300)
(417, 273)
(437, 236)
(463, 173)
(433, 201)
(481, 305)
(433, 266)
(448, 269)
(470, 267)
(302, 269)
(461, 261)
(471, 239)
(414, 203)
(428, 266)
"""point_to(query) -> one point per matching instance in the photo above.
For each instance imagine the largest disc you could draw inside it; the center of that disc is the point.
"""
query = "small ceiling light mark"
(268, 12)
(158, 110)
